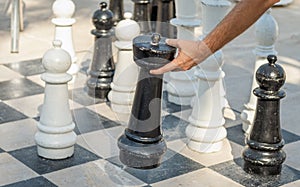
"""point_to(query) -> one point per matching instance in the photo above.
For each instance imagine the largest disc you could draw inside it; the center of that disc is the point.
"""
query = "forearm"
(242, 16)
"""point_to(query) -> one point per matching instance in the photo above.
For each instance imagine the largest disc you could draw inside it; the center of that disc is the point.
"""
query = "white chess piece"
(182, 86)
(126, 73)
(266, 33)
(206, 130)
(63, 21)
(55, 138)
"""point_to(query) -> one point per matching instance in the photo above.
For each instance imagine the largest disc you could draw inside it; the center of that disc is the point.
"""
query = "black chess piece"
(117, 7)
(165, 12)
(142, 145)
(102, 67)
(154, 6)
(141, 14)
(263, 153)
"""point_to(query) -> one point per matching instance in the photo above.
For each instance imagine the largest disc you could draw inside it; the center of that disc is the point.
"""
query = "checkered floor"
(95, 161)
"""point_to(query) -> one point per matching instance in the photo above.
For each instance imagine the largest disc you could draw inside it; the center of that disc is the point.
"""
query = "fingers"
(173, 42)
(181, 62)
(168, 67)
(184, 61)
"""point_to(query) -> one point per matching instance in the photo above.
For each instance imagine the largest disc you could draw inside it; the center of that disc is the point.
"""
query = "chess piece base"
(98, 90)
(261, 170)
(55, 146)
(141, 155)
(203, 147)
(55, 154)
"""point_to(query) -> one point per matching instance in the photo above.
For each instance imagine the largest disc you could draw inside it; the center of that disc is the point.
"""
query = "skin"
(239, 19)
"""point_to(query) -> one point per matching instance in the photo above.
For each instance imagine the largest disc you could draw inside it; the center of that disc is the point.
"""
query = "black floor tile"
(236, 134)
(27, 68)
(34, 182)
(79, 95)
(173, 127)
(87, 120)
(289, 137)
(17, 88)
(29, 157)
(171, 107)
(173, 164)
(234, 170)
(85, 65)
(8, 114)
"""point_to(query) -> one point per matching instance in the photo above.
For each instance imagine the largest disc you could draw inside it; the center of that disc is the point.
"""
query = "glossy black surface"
(103, 17)
(151, 54)
(141, 14)
(165, 12)
(263, 153)
(117, 7)
(102, 68)
(142, 144)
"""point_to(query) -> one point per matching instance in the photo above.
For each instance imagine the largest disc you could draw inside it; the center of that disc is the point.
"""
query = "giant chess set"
(107, 121)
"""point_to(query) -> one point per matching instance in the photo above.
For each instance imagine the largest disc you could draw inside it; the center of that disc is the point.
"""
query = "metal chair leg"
(21, 12)
(15, 26)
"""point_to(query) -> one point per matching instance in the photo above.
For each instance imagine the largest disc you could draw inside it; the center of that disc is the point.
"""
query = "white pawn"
(266, 33)
(63, 11)
(126, 73)
(55, 138)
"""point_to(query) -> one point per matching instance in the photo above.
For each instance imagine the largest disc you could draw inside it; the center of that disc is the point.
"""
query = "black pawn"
(141, 14)
(165, 13)
(117, 7)
(142, 145)
(102, 67)
(263, 154)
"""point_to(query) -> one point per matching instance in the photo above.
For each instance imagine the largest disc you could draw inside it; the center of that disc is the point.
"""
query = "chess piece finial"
(270, 77)
(56, 60)
(103, 18)
(155, 38)
(63, 8)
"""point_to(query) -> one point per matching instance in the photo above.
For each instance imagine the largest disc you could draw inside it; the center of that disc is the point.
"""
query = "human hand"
(190, 53)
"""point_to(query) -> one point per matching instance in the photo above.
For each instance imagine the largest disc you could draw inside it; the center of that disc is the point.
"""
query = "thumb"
(173, 42)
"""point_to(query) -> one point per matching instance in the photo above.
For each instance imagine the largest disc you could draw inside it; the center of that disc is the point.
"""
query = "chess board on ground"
(95, 161)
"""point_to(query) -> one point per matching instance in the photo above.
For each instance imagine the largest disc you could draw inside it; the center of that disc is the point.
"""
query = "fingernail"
(167, 41)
